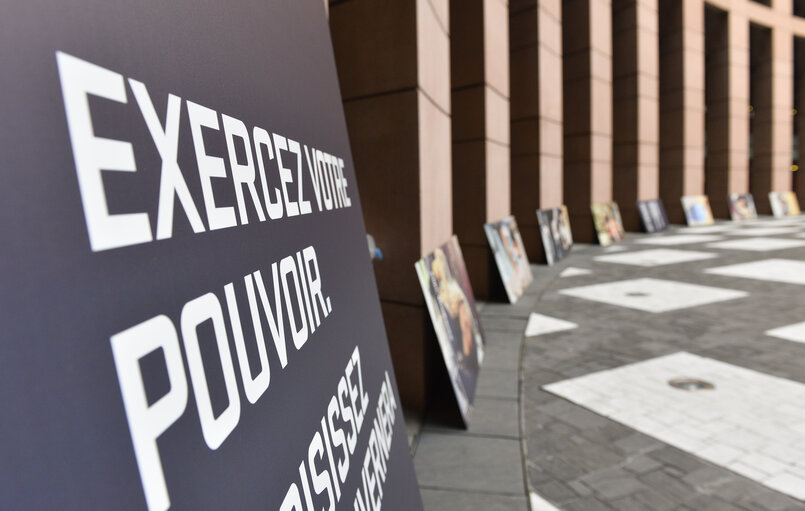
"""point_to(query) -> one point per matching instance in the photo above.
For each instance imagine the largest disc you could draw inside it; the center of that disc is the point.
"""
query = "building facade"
(462, 112)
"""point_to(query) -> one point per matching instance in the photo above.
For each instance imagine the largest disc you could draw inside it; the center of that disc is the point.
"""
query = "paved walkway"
(580, 415)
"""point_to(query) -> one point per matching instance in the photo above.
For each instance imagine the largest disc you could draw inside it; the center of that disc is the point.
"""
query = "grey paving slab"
(500, 383)
(447, 500)
(508, 339)
(521, 309)
(587, 504)
(469, 463)
(501, 356)
(556, 491)
(497, 323)
(490, 417)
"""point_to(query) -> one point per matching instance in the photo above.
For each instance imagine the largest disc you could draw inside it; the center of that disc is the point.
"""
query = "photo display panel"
(510, 257)
(652, 214)
(742, 206)
(451, 305)
(697, 210)
(608, 223)
(554, 229)
(784, 204)
(190, 317)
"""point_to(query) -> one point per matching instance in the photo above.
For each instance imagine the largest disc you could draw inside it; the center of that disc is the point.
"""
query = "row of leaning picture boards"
(448, 291)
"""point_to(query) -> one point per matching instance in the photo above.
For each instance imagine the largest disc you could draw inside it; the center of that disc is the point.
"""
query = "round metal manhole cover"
(691, 384)
(637, 293)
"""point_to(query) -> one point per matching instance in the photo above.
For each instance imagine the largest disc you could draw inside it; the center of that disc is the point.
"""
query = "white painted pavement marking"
(540, 504)
(539, 324)
(758, 244)
(764, 231)
(760, 418)
(656, 257)
(707, 229)
(653, 295)
(795, 332)
(572, 271)
(776, 222)
(789, 271)
(678, 239)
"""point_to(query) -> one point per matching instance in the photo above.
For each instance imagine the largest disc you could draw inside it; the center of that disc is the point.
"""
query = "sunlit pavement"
(581, 414)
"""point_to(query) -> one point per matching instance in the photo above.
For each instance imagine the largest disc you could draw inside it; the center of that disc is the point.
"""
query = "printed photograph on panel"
(784, 204)
(510, 257)
(608, 223)
(697, 210)
(451, 304)
(652, 214)
(742, 206)
(557, 238)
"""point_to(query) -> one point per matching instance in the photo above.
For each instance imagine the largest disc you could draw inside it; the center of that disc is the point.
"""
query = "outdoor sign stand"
(511, 261)
(189, 317)
(454, 316)
(653, 215)
(608, 223)
(554, 228)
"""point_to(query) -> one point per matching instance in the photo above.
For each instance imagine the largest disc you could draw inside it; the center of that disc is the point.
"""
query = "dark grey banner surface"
(188, 317)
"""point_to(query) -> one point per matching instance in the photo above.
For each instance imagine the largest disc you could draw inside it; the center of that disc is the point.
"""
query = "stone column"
(393, 62)
(479, 69)
(636, 98)
(727, 100)
(799, 63)
(587, 48)
(536, 114)
(772, 99)
(681, 103)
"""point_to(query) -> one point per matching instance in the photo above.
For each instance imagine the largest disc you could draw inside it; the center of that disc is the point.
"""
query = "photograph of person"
(657, 212)
(784, 204)
(608, 223)
(451, 304)
(697, 210)
(742, 207)
(557, 239)
(544, 220)
(510, 257)
(565, 232)
(791, 203)
(646, 216)
(652, 214)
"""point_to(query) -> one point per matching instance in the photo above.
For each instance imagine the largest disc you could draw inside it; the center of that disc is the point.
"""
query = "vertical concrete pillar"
(727, 100)
(587, 48)
(799, 7)
(536, 114)
(782, 108)
(681, 103)
(636, 99)
(772, 99)
(479, 69)
(799, 95)
(393, 62)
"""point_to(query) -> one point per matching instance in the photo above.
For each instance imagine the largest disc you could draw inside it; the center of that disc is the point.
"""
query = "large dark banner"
(189, 318)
